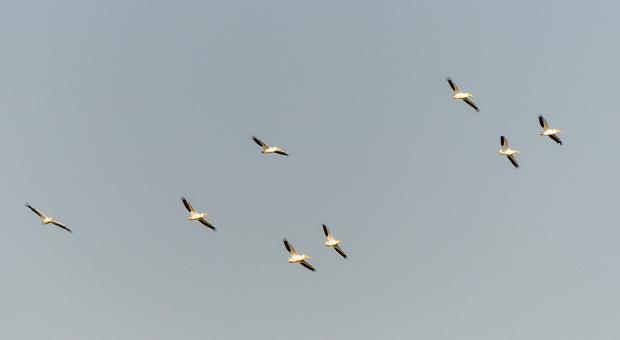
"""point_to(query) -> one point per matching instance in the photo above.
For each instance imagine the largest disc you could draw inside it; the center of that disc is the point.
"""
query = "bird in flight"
(547, 131)
(195, 216)
(266, 149)
(508, 152)
(296, 258)
(47, 219)
(464, 96)
(333, 243)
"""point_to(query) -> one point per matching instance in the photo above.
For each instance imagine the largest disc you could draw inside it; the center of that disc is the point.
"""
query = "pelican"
(464, 96)
(47, 219)
(508, 152)
(195, 216)
(333, 243)
(547, 131)
(266, 149)
(296, 258)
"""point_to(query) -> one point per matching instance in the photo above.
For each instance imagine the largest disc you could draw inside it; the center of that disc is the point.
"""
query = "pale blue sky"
(112, 110)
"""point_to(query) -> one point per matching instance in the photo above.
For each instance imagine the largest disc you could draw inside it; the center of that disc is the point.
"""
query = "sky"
(113, 110)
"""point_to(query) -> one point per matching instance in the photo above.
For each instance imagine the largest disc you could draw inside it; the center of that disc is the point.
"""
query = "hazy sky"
(112, 110)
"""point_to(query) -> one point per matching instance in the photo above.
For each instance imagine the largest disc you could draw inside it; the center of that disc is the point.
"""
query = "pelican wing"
(504, 143)
(307, 265)
(471, 103)
(453, 86)
(340, 251)
(556, 139)
(280, 152)
(187, 205)
(58, 224)
(328, 233)
(207, 224)
(543, 122)
(259, 142)
(513, 160)
(289, 247)
(34, 210)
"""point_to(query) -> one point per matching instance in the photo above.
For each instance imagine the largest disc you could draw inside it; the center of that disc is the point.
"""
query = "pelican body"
(549, 132)
(47, 219)
(197, 216)
(457, 93)
(296, 257)
(331, 242)
(266, 149)
(508, 152)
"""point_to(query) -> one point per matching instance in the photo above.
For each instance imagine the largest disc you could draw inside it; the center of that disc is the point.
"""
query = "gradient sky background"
(112, 110)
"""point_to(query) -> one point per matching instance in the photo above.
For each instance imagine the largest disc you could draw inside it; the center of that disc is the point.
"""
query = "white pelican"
(266, 149)
(464, 96)
(547, 131)
(195, 216)
(333, 243)
(296, 258)
(508, 152)
(46, 219)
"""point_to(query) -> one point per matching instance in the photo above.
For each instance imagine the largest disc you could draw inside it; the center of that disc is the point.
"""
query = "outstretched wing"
(326, 231)
(259, 142)
(307, 265)
(289, 247)
(556, 139)
(34, 210)
(207, 224)
(58, 224)
(187, 205)
(513, 161)
(280, 152)
(503, 141)
(340, 251)
(543, 122)
(453, 86)
(471, 103)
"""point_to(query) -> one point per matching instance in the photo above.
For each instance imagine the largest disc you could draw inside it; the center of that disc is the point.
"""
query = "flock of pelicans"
(505, 150)
(330, 241)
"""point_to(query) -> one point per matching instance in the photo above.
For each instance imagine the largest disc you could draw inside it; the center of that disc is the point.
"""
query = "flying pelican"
(464, 96)
(46, 219)
(508, 152)
(266, 149)
(296, 258)
(194, 216)
(333, 243)
(547, 131)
